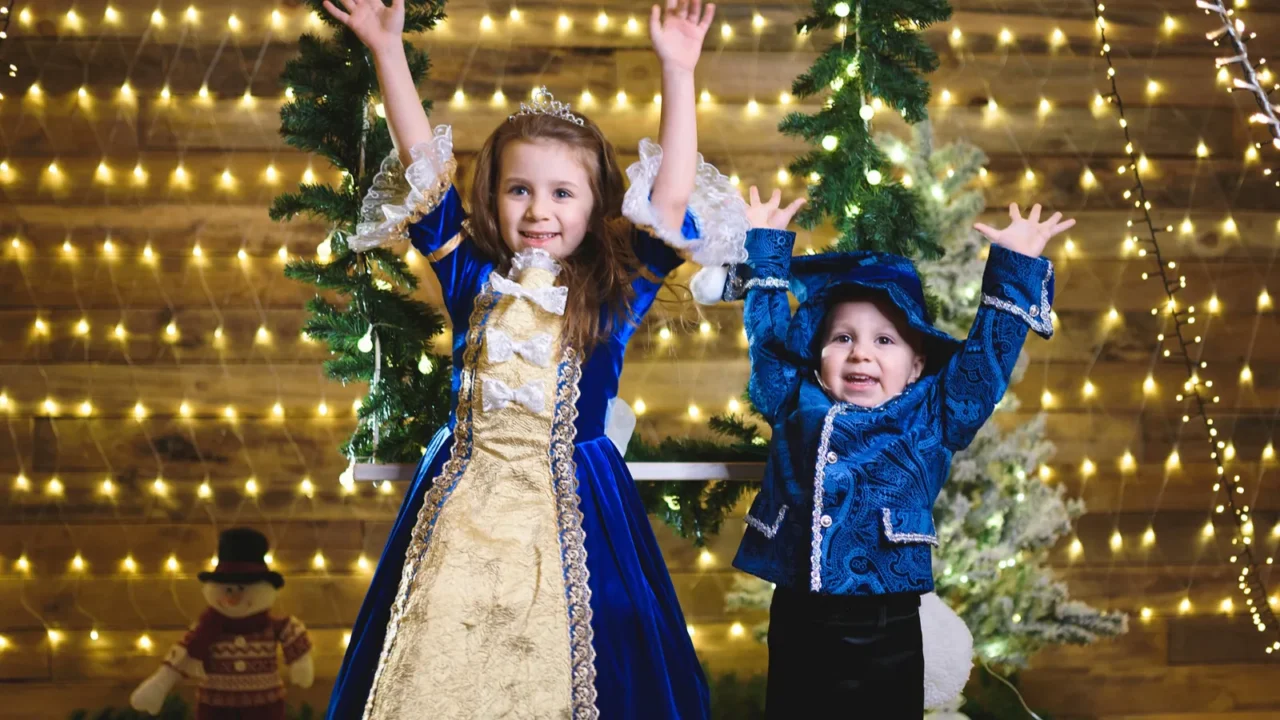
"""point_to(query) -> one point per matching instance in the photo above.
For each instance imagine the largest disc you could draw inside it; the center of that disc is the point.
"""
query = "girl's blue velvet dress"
(645, 665)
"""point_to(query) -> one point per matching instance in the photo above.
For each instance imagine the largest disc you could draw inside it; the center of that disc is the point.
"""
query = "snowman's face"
(237, 600)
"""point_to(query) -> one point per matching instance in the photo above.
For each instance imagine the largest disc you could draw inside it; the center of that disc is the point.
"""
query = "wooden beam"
(147, 124)
(223, 229)
(971, 73)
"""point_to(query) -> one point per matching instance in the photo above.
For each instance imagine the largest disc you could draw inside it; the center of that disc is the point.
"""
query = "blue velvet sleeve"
(457, 263)
(766, 316)
(659, 257)
(1016, 294)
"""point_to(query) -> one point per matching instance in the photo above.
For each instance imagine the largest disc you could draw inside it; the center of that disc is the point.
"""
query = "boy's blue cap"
(815, 278)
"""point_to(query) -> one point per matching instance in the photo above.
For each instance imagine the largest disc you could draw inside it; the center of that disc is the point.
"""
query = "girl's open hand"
(678, 33)
(1026, 235)
(378, 26)
(770, 215)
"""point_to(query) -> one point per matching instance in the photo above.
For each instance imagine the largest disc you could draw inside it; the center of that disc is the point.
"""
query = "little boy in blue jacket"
(868, 403)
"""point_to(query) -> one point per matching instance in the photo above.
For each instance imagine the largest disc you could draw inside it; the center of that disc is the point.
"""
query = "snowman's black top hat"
(242, 558)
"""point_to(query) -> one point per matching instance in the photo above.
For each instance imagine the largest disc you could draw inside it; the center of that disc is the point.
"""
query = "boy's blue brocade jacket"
(846, 505)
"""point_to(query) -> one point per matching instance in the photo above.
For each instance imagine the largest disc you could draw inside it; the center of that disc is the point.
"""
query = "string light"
(1183, 318)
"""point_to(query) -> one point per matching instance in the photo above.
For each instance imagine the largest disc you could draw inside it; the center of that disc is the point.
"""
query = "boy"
(868, 403)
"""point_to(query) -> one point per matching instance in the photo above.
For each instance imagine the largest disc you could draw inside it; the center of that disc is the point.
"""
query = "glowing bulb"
(157, 18)
(704, 97)
(1045, 106)
(866, 112)
(55, 488)
(205, 491)
(1046, 399)
(277, 20)
(362, 562)
(1076, 547)
(1057, 38)
(159, 487)
(1173, 461)
(251, 487)
(563, 22)
(486, 23)
(385, 488)
(841, 9)
(640, 407)
(1207, 531)
(829, 143)
(129, 564)
(306, 487)
(1264, 300)
(1246, 375)
(694, 412)
(1149, 537)
(144, 642)
(171, 564)
(1149, 385)
(191, 15)
(184, 410)
(1202, 150)
(55, 636)
(1184, 607)
(322, 409)
(233, 23)
(86, 408)
(1006, 36)
(318, 561)
(263, 335)
(1088, 468)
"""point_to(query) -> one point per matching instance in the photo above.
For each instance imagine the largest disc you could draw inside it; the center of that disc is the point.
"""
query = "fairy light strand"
(1250, 580)
(1233, 31)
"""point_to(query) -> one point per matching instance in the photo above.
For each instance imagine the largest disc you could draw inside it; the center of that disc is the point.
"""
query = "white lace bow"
(497, 395)
(551, 299)
(502, 348)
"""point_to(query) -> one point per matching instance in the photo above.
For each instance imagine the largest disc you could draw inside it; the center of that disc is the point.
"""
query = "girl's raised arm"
(677, 40)
(380, 28)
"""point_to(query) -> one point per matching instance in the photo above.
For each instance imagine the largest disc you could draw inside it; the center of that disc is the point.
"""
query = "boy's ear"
(917, 367)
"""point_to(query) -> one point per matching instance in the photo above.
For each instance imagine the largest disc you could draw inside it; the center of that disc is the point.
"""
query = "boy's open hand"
(378, 26)
(769, 215)
(1027, 236)
(677, 35)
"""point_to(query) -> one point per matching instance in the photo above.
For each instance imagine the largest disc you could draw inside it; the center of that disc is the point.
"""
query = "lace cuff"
(400, 196)
(718, 210)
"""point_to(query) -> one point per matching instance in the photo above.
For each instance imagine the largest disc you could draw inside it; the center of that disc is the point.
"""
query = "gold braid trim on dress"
(572, 538)
(440, 489)
(445, 249)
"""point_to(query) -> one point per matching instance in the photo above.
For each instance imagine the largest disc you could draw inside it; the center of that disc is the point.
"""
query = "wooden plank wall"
(99, 261)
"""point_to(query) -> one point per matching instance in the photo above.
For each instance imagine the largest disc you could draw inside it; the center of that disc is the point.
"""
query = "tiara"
(545, 104)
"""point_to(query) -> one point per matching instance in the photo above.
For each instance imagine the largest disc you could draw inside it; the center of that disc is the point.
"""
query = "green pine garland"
(879, 55)
(333, 83)
(696, 510)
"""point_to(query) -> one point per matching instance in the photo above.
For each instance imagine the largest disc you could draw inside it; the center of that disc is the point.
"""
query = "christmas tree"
(377, 334)
(876, 63)
(997, 519)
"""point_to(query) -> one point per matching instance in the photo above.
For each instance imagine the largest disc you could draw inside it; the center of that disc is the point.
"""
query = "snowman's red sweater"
(239, 661)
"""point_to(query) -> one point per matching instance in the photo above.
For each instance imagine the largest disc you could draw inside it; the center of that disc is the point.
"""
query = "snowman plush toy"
(232, 649)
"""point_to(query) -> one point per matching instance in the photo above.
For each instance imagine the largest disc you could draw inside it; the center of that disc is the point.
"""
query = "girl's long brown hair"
(599, 273)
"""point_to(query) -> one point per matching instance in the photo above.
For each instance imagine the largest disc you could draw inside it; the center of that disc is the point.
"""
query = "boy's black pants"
(845, 656)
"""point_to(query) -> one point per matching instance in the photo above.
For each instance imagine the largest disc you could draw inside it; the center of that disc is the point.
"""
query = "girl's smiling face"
(868, 352)
(544, 197)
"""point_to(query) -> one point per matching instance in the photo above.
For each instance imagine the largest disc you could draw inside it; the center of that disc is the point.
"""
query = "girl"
(522, 578)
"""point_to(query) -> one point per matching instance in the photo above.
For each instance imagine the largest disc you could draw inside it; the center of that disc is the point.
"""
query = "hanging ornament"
(852, 70)
(841, 9)
(366, 342)
(866, 112)
(424, 364)
(829, 143)
(874, 177)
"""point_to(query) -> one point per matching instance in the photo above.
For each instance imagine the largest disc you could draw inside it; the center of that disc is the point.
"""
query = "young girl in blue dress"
(521, 578)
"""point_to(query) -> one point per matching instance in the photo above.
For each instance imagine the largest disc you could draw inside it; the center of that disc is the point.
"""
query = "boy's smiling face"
(868, 351)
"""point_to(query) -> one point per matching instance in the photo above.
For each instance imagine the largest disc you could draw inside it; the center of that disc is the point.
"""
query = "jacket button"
(1035, 310)
(240, 641)
(832, 457)
(826, 521)
(240, 666)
